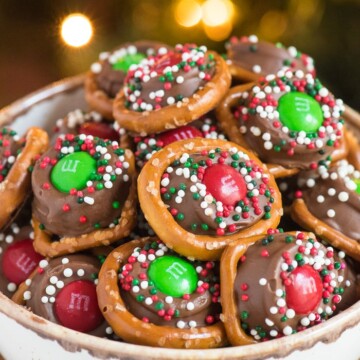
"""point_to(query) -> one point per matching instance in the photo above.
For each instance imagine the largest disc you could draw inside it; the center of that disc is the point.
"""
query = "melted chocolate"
(170, 78)
(259, 122)
(205, 127)
(198, 209)
(263, 58)
(98, 205)
(43, 296)
(333, 198)
(10, 148)
(111, 80)
(289, 288)
(146, 301)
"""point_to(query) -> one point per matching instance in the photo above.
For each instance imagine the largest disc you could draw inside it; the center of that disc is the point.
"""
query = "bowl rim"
(72, 340)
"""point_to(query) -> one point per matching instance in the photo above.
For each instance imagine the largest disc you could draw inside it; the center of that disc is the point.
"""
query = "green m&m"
(357, 182)
(173, 276)
(300, 112)
(73, 171)
(124, 63)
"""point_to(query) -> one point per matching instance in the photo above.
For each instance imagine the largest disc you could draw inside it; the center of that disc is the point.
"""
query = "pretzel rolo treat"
(84, 192)
(168, 91)
(63, 290)
(17, 157)
(282, 284)
(106, 76)
(205, 127)
(291, 121)
(329, 205)
(17, 257)
(152, 296)
(199, 195)
(249, 59)
(89, 123)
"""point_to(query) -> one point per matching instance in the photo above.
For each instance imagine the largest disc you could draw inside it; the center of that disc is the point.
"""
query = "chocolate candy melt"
(80, 185)
(172, 90)
(112, 68)
(291, 120)
(165, 289)
(333, 197)
(250, 58)
(203, 213)
(283, 284)
(145, 309)
(89, 123)
(205, 127)
(63, 290)
(216, 192)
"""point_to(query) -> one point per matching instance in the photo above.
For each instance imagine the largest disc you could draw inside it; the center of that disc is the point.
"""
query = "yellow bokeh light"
(220, 32)
(188, 13)
(273, 24)
(217, 12)
(76, 30)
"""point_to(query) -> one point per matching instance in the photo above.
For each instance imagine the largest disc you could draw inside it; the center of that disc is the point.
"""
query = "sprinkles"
(311, 284)
(141, 287)
(233, 197)
(167, 72)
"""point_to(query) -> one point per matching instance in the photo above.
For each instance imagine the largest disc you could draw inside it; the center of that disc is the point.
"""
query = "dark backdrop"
(32, 54)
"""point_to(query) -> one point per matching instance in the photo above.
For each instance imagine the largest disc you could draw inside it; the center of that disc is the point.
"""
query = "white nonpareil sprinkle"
(50, 290)
(68, 272)
(287, 330)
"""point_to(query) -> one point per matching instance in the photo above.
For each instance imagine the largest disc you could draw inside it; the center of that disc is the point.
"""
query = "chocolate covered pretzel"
(84, 193)
(329, 205)
(89, 123)
(17, 157)
(200, 195)
(205, 127)
(63, 290)
(250, 58)
(153, 296)
(106, 76)
(168, 91)
(281, 284)
(291, 121)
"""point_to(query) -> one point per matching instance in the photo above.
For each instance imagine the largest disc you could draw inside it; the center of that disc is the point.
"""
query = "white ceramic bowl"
(24, 335)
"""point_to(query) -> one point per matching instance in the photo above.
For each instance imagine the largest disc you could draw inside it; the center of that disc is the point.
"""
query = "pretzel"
(87, 122)
(264, 292)
(301, 214)
(101, 99)
(75, 230)
(205, 127)
(63, 290)
(174, 113)
(250, 59)
(140, 331)
(263, 132)
(15, 188)
(183, 241)
(328, 204)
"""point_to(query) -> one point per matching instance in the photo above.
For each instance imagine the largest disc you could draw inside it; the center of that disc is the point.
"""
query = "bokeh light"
(188, 13)
(76, 30)
(220, 32)
(217, 12)
(272, 25)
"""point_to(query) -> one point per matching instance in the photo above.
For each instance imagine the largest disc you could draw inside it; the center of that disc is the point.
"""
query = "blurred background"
(36, 48)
